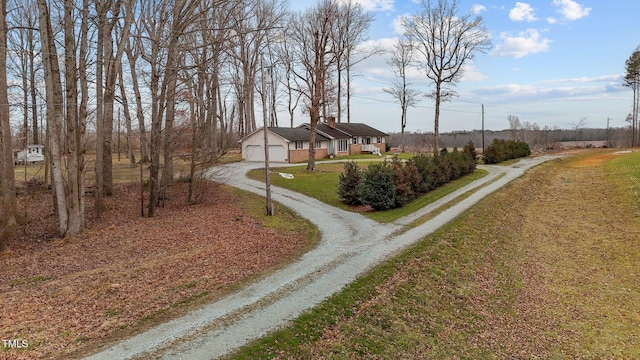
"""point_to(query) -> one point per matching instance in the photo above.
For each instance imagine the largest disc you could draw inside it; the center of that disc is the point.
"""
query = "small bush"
(377, 188)
(349, 182)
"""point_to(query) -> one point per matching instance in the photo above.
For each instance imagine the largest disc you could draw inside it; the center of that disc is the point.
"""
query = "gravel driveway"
(350, 245)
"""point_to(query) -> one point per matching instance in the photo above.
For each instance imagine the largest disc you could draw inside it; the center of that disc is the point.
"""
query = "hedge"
(387, 185)
(502, 150)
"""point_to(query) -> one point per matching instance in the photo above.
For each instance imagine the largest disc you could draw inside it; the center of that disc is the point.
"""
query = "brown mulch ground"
(125, 272)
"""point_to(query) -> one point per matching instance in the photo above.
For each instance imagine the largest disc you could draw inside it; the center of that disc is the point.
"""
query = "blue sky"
(552, 62)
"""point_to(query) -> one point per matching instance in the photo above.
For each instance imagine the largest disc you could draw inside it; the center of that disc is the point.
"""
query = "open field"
(546, 268)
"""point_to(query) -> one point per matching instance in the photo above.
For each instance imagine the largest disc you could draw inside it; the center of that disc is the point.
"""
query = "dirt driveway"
(351, 244)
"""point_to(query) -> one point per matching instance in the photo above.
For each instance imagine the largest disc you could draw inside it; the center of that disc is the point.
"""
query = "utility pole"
(608, 134)
(482, 129)
(267, 171)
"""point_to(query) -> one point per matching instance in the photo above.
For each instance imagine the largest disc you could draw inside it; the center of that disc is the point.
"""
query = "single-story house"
(30, 154)
(351, 138)
(285, 145)
(332, 140)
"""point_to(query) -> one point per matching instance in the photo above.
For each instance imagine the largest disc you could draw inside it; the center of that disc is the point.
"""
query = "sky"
(552, 63)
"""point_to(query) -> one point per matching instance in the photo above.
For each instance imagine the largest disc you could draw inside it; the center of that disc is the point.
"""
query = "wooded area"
(174, 78)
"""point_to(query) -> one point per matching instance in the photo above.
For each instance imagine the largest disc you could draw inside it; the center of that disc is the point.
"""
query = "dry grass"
(546, 268)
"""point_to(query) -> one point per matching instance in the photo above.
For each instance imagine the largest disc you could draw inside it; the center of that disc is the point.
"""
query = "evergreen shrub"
(377, 188)
(349, 182)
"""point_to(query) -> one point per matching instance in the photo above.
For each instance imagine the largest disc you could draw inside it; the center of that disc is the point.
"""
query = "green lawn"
(624, 168)
(322, 184)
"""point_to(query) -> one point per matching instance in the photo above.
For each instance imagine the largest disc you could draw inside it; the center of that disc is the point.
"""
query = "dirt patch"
(126, 273)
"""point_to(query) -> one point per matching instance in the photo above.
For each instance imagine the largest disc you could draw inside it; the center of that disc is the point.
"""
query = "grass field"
(546, 268)
(123, 172)
(624, 169)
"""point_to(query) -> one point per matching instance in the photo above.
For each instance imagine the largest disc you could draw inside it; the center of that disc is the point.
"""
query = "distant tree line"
(538, 139)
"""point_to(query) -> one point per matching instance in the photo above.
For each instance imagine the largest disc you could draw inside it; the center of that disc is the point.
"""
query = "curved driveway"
(350, 245)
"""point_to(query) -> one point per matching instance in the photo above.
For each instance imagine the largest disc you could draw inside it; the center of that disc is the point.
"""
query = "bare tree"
(578, 127)
(132, 50)
(256, 22)
(110, 48)
(632, 80)
(55, 113)
(163, 28)
(514, 126)
(287, 61)
(23, 41)
(7, 180)
(447, 41)
(401, 90)
(350, 30)
(310, 44)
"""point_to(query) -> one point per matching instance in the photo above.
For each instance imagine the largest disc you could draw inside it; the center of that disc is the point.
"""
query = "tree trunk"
(7, 181)
(127, 120)
(144, 147)
(54, 112)
(436, 119)
(75, 175)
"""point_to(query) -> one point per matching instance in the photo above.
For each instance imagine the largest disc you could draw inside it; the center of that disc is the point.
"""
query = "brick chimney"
(331, 121)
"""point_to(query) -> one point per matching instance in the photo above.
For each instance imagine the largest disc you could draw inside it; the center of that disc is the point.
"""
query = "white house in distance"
(332, 140)
(29, 154)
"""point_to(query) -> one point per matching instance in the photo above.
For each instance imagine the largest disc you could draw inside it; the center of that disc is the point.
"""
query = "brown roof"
(329, 131)
(356, 129)
(295, 134)
(347, 130)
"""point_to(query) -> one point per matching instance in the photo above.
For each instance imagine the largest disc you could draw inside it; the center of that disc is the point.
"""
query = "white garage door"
(277, 153)
(256, 153)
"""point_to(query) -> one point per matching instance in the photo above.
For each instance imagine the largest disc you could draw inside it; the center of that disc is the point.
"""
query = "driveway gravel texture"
(350, 245)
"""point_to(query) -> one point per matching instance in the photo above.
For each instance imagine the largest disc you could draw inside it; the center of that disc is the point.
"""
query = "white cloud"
(522, 12)
(525, 43)
(396, 24)
(471, 73)
(584, 79)
(552, 20)
(570, 9)
(477, 9)
(376, 5)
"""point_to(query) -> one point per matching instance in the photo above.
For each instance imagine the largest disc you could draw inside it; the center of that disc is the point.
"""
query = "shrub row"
(502, 150)
(389, 185)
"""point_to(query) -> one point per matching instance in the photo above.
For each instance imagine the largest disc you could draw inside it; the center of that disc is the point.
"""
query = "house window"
(343, 145)
(317, 144)
(298, 145)
(355, 140)
(379, 140)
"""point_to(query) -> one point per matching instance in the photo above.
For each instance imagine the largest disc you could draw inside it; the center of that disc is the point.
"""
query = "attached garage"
(253, 147)
(285, 145)
(277, 153)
